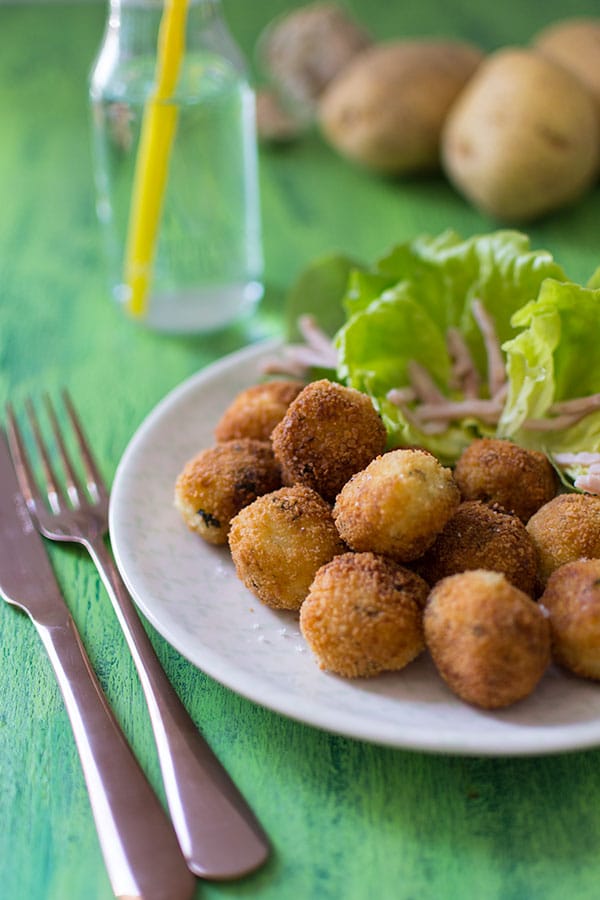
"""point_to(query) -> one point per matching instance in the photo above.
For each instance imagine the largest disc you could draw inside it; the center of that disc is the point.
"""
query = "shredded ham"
(434, 412)
(465, 376)
(423, 384)
(488, 411)
(565, 414)
(577, 459)
(496, 367)
(589, 480)
(588, 483)
(579, 404)
(398, 396)
(317, 353)
(413, 418)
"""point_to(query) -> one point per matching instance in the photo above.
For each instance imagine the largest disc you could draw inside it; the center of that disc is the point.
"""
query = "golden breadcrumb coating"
(489, 641)
(279, 542)
(397, 505)
(478, 536)
(500, 472)
(256, 411)
(328, 433)
(565, 529)
(220, 480)
(363, 615)
(572, 597)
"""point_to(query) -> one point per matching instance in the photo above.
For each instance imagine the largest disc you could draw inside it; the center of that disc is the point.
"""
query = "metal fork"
(218, 833)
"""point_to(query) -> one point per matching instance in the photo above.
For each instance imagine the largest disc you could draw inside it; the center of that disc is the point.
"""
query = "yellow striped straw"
(152, 163)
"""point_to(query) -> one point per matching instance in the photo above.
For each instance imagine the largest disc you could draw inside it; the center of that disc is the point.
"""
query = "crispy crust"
(256, 411)
(498, 471)
(397, 505)
(477, 537)
(565, 529)
(489, 641)
(328, 433)
(572, 597)
(219, 481)
(363, 615)
(279, 542)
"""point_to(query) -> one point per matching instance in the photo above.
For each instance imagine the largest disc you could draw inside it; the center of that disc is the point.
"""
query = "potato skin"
(565, 529)
(397, 505)
(214, 485)
(522, 139)
(328, 433)
(280, 541)
(575, 44)
(482, 537)
(363, 615)
(255, 411)
(572, 597)
(386, 108)
(500, 472)
(302, 50)
(489, 641)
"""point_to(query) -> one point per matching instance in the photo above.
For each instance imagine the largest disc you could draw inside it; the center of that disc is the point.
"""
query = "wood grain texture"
(347, 819)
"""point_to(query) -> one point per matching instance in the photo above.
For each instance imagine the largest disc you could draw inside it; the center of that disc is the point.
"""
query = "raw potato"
(386, 109)
(523, 137)
(575, 44)
(303, 50)
(275, 124)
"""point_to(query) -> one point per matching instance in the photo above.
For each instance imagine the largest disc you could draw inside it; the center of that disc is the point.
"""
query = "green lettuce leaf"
(554, 358)
(401, 310)
(319, 291)
(594, 282)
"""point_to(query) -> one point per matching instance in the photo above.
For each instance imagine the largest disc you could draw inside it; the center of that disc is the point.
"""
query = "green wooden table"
(347, 819)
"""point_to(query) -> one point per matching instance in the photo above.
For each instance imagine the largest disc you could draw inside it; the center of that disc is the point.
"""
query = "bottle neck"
(200, 9)
(125, 64)
(135, 24)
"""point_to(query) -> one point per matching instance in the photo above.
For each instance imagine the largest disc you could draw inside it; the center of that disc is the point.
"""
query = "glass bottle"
(203, 264)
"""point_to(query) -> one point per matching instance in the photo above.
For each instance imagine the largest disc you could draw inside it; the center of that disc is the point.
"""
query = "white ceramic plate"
(189, 591)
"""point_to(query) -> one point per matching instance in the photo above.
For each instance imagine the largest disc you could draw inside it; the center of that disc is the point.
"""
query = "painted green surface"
(347, 819)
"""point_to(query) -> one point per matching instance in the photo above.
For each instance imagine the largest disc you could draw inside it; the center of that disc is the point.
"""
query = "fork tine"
(74, 488)
(52, 490)
(95, 482)
(25, 476)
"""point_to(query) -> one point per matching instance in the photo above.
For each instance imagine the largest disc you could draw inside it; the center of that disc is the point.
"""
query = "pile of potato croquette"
(386, 552)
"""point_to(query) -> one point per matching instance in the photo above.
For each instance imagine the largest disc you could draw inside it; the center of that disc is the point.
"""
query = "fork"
(218, 833)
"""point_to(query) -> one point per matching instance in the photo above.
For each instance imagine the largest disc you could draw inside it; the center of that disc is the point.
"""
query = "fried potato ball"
(489, 641)
(498, 471)
(279, 541)
(572, 597)
(256, 411)
(220, 480)
(397, 505)
(363, 615)
(328, 433)
(478, 536)
(565, 529)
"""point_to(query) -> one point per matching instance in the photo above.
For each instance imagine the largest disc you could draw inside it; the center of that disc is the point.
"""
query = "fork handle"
(138, 843)
(218, 833)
